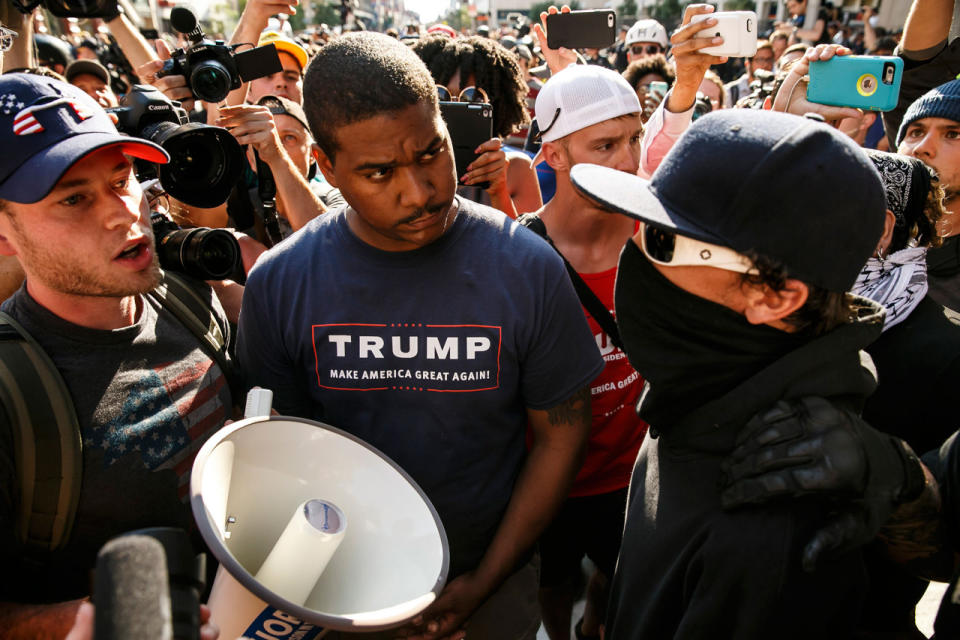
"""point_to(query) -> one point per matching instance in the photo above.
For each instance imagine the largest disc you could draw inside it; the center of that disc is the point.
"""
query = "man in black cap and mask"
(729, 299)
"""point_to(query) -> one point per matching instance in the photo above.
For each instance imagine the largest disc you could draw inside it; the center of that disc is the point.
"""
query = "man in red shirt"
(604, 130)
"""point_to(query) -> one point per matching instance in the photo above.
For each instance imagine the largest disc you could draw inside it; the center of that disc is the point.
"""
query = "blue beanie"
(940, 102)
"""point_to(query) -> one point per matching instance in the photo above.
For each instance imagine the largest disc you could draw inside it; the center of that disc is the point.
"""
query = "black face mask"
(689, 350)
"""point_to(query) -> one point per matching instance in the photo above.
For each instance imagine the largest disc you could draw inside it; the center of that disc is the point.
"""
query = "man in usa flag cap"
(45, 127)
(146, 393)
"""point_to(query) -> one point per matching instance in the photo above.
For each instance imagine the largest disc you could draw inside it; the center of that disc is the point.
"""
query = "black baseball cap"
(92, 67)
(790, 188)
(278, 106)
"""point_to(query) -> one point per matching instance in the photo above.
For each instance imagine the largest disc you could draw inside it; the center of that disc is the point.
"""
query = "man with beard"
(146, 392)
(726, 304)
(433, 328)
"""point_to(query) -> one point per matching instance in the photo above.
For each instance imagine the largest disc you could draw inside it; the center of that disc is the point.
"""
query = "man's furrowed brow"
(375, 166)
(433, 144)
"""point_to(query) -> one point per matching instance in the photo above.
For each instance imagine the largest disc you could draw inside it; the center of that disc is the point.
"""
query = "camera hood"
(205, 162)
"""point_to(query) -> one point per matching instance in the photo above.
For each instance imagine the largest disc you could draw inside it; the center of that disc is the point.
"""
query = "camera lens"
(207, 254)
(205, 162)
(210, 81)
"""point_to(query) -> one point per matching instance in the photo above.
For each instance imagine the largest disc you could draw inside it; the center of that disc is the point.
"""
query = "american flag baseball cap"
(45, 127)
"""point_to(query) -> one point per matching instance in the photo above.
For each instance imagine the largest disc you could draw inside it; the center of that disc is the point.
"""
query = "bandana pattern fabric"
(897, 177)
(898, 283)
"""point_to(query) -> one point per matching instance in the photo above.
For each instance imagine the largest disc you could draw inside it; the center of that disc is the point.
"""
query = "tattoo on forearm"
(576, 409)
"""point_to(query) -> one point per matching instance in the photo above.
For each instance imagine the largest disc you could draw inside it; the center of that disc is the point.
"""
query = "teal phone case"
(863, 82)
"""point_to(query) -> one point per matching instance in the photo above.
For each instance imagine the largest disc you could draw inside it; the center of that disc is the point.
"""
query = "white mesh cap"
(647, 31)
(580, 96)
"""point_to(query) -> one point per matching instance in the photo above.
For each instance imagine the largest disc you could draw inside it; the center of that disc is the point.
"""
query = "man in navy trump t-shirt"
(434, 328)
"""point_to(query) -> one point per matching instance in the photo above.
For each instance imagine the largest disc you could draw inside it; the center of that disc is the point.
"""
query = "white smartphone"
(738, 30)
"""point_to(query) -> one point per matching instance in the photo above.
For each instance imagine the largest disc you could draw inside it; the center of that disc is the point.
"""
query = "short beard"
(47, 267)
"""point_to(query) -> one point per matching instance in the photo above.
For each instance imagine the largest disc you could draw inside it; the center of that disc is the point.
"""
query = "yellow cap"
(285, 44)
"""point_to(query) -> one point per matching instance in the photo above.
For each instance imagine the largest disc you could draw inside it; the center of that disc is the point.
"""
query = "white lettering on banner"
(604, 343)
(448, 349)
(371, 344)
(606, 386)
(278, 628)
(272, 624)
(626, 382)
(476, 345)
(411, 352)
(407, 356)
(341, 342)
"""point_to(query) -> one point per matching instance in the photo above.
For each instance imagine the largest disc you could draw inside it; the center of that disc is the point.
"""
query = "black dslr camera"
(213, 69)
(205, 161)
(201, 252)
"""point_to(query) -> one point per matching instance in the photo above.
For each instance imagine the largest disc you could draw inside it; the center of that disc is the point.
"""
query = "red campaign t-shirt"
(617, 431)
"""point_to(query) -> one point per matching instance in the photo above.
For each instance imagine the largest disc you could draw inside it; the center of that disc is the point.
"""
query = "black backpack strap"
(48, 448)
(588, 298)
(178, 296)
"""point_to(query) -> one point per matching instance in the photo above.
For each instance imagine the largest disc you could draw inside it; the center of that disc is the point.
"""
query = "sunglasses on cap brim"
(671, 250)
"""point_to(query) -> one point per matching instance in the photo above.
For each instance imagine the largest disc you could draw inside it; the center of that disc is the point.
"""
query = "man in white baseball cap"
(590, 114)
(645, 38)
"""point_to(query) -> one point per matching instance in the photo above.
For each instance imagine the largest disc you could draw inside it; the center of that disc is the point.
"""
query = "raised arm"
(927, 25)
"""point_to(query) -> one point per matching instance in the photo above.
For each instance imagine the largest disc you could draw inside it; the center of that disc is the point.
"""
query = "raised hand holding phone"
(689, 58)
(792, 95)
(558, 58)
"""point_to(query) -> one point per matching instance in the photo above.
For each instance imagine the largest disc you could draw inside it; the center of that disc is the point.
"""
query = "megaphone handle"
(259, 403)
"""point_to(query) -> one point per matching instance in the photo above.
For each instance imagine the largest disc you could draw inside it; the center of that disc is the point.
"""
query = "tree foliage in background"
(627, 12)
(458, 18)
(668, 13)
(323, 13)
(539, 7)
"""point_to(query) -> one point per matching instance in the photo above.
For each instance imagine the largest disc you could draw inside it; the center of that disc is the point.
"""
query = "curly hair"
(651, 64)
(493, 68)
(922, 228)
(823, 311)
(359, 76)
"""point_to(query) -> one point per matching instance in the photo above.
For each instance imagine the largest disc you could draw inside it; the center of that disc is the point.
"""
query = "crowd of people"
(722, 372)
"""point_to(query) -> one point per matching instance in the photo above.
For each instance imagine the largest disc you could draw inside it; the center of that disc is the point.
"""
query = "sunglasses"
(6, 39)
(470, 94)
(650, 48)
(672, 250)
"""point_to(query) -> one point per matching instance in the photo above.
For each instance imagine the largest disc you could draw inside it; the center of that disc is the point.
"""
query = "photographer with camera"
(762, 59)
(271, 182)
(137, 356)
(276, 128)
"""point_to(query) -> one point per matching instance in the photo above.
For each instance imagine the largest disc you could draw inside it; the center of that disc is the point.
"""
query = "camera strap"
(267, 190)
(588, 298)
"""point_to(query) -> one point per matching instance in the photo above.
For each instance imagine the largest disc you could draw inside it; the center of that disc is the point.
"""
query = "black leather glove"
(810, 447)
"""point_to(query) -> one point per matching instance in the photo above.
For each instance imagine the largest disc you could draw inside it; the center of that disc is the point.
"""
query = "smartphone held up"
(861, 82)
(588, 29)
(738, 30)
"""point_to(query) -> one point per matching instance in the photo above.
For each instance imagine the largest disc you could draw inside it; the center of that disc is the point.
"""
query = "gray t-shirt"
(147, 397)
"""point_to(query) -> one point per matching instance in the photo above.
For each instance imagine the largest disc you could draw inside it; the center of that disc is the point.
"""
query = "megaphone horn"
(314, 530)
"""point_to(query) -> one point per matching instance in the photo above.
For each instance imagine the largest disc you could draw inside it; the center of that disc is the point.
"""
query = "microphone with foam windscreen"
(186, 573)
(131, 590)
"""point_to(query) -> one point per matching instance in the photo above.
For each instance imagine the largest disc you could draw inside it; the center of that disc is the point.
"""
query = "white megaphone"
(314, 530)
